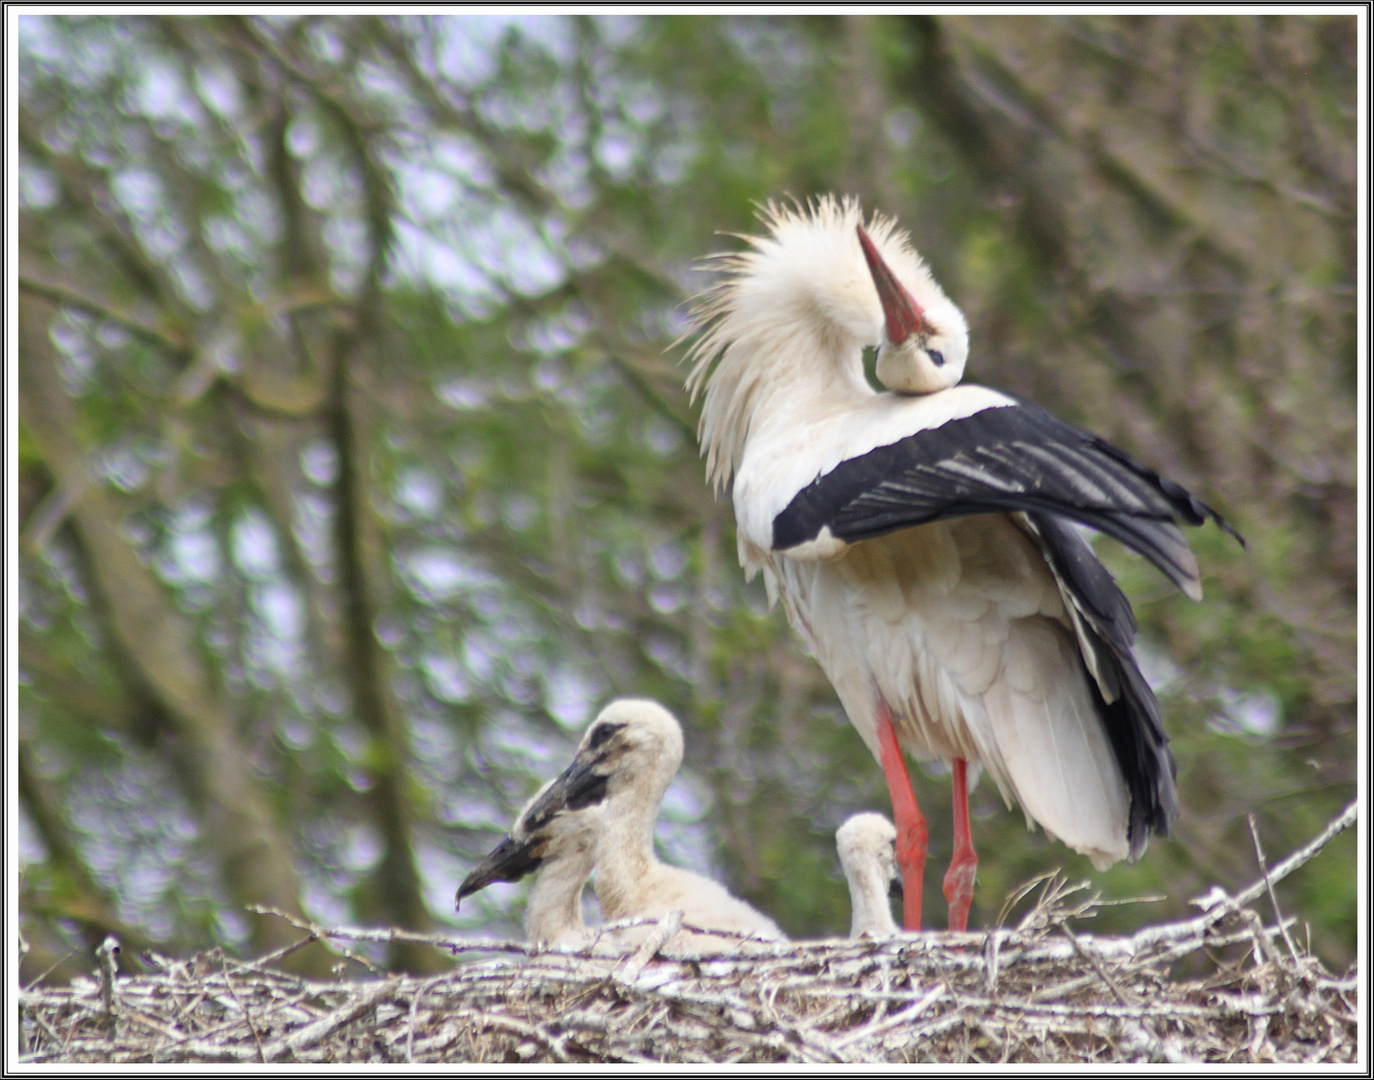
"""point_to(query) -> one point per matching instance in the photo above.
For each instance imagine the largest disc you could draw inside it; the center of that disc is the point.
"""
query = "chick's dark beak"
(510, 860)
(578, 787)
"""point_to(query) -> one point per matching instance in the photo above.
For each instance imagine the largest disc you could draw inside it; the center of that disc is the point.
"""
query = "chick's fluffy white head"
(868, 840)
(645, 738)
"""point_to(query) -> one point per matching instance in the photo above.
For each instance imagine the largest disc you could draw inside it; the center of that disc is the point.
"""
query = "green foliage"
(205, 199)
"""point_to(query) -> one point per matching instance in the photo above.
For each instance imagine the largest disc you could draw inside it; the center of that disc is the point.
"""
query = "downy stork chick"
(920, 539)
(559, 847)
(626, 760)
(868, 854)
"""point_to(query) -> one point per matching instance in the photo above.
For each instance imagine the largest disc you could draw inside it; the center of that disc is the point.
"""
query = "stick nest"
(1220, 987)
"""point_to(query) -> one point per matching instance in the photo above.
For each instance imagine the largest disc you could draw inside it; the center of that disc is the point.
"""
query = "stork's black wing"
(1016, 457)
(1125, 703)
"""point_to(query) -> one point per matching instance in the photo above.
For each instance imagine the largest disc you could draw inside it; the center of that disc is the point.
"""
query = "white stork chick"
(920, 540)
(867, 847)
(559, 846)
(625, 762)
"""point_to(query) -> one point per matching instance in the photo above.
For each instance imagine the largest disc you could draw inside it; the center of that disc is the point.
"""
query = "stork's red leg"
(911, 826)
(963, 867)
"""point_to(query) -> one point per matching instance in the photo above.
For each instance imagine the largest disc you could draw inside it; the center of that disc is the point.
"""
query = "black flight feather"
(1122, 698)
(1001, 459)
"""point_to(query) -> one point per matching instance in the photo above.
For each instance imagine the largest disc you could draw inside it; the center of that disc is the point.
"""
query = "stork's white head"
(802, 304)
(924, 342)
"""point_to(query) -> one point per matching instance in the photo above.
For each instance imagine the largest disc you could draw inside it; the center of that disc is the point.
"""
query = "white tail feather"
(1050, 748)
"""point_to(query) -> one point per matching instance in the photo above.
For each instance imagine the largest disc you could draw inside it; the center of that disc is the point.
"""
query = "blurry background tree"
(356, 471)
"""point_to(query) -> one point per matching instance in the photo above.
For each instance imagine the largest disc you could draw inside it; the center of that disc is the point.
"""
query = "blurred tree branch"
(254, 859)
(76, 896)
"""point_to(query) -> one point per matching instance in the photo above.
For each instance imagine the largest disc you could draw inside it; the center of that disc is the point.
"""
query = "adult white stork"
(921, 539)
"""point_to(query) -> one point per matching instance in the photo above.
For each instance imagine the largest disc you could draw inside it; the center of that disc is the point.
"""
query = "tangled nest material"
(1037, 993)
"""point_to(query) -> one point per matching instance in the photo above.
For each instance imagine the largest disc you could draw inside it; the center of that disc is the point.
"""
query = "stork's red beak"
(904, 315)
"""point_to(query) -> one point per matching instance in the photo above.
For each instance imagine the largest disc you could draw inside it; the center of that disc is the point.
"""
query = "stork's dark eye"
(936, 356)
